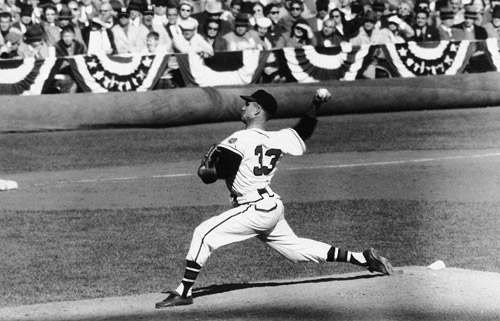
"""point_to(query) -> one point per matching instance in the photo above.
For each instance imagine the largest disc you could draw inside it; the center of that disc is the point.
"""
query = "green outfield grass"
(69, 255)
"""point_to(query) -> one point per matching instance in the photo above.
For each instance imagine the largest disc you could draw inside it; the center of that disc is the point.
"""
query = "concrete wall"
(201, 105)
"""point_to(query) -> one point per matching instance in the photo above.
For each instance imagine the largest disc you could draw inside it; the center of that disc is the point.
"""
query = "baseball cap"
(264, 99)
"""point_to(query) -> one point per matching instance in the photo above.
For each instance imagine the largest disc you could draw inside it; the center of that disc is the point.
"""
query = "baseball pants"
(265, 220)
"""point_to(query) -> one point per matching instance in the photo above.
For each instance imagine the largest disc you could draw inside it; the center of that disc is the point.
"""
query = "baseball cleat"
(376, 263)
(174, 299)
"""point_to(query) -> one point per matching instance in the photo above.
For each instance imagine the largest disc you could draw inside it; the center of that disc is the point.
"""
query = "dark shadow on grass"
(222, 288)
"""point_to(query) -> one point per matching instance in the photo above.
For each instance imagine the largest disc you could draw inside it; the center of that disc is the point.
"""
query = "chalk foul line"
(396, 162)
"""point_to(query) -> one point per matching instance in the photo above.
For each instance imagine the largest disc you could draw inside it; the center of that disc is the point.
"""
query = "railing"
(101, 73)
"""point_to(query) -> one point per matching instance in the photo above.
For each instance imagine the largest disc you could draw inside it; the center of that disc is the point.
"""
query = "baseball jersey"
(260, 153)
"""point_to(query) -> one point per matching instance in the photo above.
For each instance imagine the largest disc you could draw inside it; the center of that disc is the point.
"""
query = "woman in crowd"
(211, 33)
(301, 35)
(51, 30)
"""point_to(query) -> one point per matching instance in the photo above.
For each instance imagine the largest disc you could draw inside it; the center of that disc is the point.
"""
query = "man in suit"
(470, 30)
(446, 30)
(423, 31)
(316, 22)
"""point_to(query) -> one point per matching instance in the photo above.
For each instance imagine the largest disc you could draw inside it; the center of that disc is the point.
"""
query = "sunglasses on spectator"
(274, 12)
(186, 10)
(212, 28)
(296, 8)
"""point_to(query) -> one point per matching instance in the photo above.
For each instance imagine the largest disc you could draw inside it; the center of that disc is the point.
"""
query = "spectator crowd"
(61, 28)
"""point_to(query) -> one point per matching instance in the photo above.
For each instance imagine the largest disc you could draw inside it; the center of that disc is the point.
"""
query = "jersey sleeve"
(290, 142)
(235, 143)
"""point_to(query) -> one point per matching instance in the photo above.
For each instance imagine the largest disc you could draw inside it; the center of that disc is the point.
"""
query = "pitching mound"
(414, 293)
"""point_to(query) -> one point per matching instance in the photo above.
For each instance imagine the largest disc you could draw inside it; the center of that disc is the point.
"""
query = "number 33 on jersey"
(260, 153)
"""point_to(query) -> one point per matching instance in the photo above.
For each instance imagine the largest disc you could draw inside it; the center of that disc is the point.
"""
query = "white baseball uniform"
(258, 211)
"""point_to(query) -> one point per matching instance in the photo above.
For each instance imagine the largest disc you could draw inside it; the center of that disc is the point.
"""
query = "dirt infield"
(414, 293)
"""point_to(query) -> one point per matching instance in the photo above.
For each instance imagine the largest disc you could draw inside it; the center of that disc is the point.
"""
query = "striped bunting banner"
(444, 58)
(27, 76)
(313, 64)
(102, 73)
(224, 68)
(492, 53)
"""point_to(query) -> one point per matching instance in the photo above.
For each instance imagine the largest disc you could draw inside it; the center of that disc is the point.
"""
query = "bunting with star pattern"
(413, 59)
(103, 73)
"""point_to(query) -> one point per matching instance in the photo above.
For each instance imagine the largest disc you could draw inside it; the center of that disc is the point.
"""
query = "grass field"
(69, 255)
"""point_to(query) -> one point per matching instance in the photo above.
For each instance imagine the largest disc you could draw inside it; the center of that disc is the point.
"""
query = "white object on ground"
(438, 265)
(6, 185)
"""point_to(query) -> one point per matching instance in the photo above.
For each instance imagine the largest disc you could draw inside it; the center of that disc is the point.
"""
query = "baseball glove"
(207, 170)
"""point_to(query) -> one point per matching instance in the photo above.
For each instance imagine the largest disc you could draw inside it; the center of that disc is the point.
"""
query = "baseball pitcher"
(247, 161)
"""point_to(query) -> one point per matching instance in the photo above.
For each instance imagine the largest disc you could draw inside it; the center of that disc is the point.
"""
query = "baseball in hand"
(323, 94)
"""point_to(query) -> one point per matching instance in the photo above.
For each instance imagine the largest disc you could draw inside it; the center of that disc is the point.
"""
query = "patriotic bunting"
(102, 73)
(225, 68)
(28, 76)
(411, 59)
(310, 64)
(492, 53)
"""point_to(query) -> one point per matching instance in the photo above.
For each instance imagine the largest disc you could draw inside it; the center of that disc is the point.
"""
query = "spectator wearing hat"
(316, 21)
(147, 17)
(10, 46)
(127, 38)
(445, 26)
(191, 41)
(211, 33)
(493, 28)
(470, 30)
(135, 8)
(185, 11)
(242, 37)
(262, 26)
(395, 30)
(213, 10)
(379, 8)
(424, 32)
(25, 20)
(301, 35)
(367, 34)
(328, 36)
(98, 39)
(33, 45)
(67, 18)
(67, 46)
(294, 15)
(51, 29)
(160, 13)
